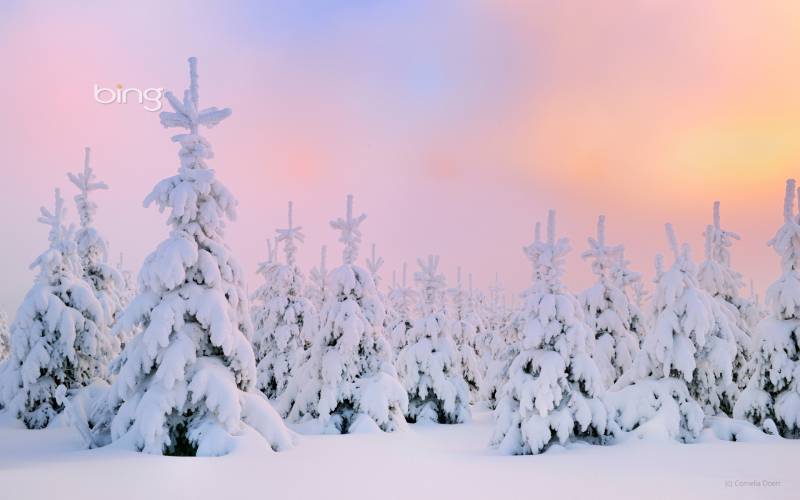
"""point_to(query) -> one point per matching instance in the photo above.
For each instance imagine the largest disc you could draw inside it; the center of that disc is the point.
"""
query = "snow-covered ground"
(431, 461)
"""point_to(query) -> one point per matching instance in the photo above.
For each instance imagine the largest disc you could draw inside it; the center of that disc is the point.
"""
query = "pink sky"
(455, 124)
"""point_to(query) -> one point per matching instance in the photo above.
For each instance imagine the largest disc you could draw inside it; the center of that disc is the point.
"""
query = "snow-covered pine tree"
(429, 364)
(316, 286)
(5, 337)
(402, 297)
(58, 336)
(554, 388)
(284, 320)
(607, 309)
(717, 277)
(686, 362)
(772, 397)
(465, 326)
(186, 385)
(106, 281)
(374, 263)
(500, 345)
(349, 382)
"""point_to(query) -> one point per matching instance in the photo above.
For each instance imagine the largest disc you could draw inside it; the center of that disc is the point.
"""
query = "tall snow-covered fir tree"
(717, 277)
(349, 382)
(465, 325)
(186, 383)
(5, 337)
(403, 297)
(429, 364)
(771, 399)
(284, 320)
(107, 282)
(554, 387)
(59, 336)
(608, 312)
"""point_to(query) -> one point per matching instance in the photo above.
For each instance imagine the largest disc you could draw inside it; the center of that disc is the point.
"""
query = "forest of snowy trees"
(183, 359)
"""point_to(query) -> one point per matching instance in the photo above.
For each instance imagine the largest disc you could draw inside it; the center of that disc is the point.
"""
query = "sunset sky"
(455, 124)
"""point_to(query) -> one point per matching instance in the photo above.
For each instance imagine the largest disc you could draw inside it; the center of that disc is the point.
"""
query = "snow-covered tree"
(186, 383)
(554, 388)
(686, 362)
(607, 309)
(349, 382)
(500, 344)
(402, 297)
(465, 325)
(429, 364)
(772, 397)
(284, 320)
(717, 277)
(5, 337)
(106, 280)
(58, 336)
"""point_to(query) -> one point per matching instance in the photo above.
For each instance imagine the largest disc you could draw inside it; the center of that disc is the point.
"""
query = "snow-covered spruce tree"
(772, 397)
(284, 320)
(607, 309)
(465, 325)
(685, 365)
(106, 281)
(402, 297)
(186, 383)
(349, 382)
(500, 344)
(554, 388)
(316, 285)
(5, 337)
(58, 336)
(374, 263)
(717, 277)
(429, 364)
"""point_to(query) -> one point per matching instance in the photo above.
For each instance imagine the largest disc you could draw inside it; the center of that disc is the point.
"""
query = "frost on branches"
(186, 382)
(772, 397)
(58, 336)
(349, 382)
(554, 388)
(723, 283)
(106, 281)
(466, 325)
(500, 344)
(402, 298)
(429, 364)
(608, 311)
(284, 320)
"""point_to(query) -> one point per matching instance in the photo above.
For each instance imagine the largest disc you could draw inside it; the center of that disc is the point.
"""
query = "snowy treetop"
(402, 295)
(187, 113)
(85, 181)
(786, 241)
(288, 236)
(55, 220)
(319, 273)
(431, 282)
(604, 258)
(548, 257)
(196, 199)
(374, 264)
(350, 232)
